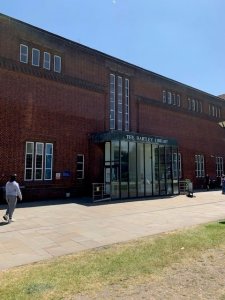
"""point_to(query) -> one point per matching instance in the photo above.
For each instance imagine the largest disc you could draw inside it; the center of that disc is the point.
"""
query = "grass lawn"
(120, 264)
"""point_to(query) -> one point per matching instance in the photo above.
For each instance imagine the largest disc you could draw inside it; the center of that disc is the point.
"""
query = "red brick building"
(72, 116)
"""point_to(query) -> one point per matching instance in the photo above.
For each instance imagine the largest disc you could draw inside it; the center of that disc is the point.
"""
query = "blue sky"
(180, 39)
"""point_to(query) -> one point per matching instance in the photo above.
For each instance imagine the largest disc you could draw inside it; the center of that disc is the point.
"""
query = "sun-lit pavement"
(47, 229)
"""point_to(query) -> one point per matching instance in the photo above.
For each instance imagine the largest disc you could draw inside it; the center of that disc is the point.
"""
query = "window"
(23, 54)
(164, 96)
(174, 99)
(178, 100)
(193, 105)
(199, 166)
(120, 103)
(38, 161)
(177, 167)
(80, 166)
(126, 104)
(219, 166)
(35, 57)
(57, 63)
(112, 101)
(48, 161)
(189, 103)
(169, 97)
(47, 61)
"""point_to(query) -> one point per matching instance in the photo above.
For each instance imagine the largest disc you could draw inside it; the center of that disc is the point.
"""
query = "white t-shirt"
(12, 189)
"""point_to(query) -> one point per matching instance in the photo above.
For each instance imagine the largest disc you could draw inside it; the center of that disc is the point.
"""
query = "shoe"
(12, 220)
(6, 218)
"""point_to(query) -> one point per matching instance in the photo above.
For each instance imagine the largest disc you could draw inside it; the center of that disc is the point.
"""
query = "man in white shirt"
(12, 190)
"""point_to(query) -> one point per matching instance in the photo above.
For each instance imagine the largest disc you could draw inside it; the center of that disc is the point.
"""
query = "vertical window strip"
(127, 100)
(57, 64)
(164, 96)
(80, 166)
(39, 161)
(23, 53)
(119, 103)
(29, 161)
(48, 161)
(169, 97)
(47, 61)
(112, 101)
(35, 57)
(199, 166)
(219, 166)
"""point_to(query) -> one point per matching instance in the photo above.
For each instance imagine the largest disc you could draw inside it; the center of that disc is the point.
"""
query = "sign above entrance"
(131, 137)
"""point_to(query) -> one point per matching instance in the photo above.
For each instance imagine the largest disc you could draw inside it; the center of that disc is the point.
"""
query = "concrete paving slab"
(49, 229)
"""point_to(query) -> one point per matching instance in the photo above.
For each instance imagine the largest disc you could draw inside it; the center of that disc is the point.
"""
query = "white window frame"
(24, 53)
(47, 61)
(219, 166)
(34, 168)
(47, 154)
(199, 166)
(174, 99)
(119, 103)
(169, 97)
(57, 63)
(34, 53)
(39, 154)
(164, 96)
(127, 102)
(178, 100)
(112, 102)
(80, 163)
(32, 161)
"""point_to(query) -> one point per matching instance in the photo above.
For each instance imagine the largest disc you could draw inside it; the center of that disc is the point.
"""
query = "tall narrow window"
(57, 63)
(47, 61)
(39, 161)
(219, 166)
(174, 99)
(23, 54)
(112, 101)
(126, 104)
(199, 166)
(178, 100)
(164, 96)
(48, 161)
(120, 103)
(35, 57)
(80, 166)
(169, 97)
(29, 161)
(189, 103)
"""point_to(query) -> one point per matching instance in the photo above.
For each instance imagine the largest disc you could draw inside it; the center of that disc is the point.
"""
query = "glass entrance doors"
(135, 169)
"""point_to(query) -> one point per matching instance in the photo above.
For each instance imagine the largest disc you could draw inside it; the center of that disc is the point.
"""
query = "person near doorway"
(207, 181)
(12, 191)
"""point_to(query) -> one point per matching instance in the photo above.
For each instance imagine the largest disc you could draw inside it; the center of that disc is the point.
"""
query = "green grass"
(117, 264)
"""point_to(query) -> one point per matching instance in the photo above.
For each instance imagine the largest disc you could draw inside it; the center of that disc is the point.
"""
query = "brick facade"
(40, 105)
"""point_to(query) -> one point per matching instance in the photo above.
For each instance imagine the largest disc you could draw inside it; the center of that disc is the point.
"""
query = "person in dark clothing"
(207, 181)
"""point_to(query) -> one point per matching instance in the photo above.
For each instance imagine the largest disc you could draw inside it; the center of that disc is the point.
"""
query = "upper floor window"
(194, 105)
(112, 101)
(23, 54)
(127, 121)
(119, 102)
(171, 98)
(57, 63)
(214, 111)
(35, 57)
(47, 61)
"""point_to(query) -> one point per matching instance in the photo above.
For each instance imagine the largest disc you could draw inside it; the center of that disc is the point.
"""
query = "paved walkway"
(48, 229)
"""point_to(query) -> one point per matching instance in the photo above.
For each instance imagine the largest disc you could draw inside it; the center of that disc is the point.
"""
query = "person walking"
(13, 191)
(223, 183)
